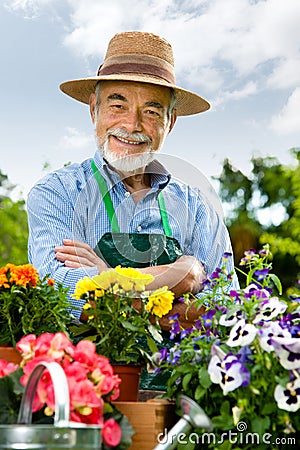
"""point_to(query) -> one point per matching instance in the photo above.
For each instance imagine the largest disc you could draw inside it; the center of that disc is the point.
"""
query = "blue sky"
(243, 56)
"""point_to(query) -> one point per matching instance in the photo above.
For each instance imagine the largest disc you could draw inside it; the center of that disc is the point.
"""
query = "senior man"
(123, 206)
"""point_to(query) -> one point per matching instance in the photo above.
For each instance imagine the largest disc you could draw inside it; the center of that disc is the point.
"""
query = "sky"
(243, 56)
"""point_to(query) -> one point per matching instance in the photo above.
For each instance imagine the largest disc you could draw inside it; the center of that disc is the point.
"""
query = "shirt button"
(127, 194)
(139, 228)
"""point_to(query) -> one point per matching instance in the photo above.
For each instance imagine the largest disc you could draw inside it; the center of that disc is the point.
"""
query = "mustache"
(136, 136)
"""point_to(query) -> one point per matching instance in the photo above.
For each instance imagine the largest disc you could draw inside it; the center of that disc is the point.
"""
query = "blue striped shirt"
(67, 204)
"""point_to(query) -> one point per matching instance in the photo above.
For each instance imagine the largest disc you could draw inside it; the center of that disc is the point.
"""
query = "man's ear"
(92, 102)
(172, 120)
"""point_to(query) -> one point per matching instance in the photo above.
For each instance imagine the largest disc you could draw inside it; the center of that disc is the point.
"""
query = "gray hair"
(98, 99)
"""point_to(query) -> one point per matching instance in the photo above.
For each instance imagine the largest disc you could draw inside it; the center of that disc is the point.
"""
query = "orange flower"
(50, 282)
(23, 275)
(3, 278)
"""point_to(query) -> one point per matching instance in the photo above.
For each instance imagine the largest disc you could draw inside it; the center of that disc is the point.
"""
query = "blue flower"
(261, 274)
(207, 318)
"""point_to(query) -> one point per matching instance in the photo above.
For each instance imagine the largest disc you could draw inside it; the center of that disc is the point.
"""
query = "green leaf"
(204, 377)
(186, 380)
(155, 333)
(260, 424)
(199, 393)
(268, 408)
(277, 282)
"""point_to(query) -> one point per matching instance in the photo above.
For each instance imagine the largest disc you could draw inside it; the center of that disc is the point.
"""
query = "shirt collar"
(160, 176)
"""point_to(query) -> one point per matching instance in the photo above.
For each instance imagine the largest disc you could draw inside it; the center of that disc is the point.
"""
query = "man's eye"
(153, 112)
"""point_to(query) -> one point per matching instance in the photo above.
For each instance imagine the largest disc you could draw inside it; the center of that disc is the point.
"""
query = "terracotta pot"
(130, 376)
(10, 354)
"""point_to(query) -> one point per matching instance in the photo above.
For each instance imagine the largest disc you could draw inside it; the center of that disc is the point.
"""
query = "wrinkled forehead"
(128, 89)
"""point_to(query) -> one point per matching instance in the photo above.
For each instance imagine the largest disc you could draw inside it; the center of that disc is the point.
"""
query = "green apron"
(137, 250)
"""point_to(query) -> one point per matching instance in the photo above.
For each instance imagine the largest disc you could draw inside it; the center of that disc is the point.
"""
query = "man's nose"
(134, 121)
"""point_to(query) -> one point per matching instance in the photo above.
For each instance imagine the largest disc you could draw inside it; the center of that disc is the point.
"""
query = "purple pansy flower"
(268, 331)
(249, 254)
(269, 309)
(241, 334)
(186, 332)
(288, 397)
(255, 290)
(229, 372)
(288, 351)
(175, 325)
(243, 354)
(230, 319)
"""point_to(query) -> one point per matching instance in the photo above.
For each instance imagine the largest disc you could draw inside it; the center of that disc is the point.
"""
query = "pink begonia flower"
(76, 371)
(95, 418)
(82, 393)
(111, 433)
(60, 345)
(90, 376)
(7, 367)
(26, 346)
(104, 365)
(85, 353)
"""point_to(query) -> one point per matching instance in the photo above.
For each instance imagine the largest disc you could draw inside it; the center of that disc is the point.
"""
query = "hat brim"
(187, 102)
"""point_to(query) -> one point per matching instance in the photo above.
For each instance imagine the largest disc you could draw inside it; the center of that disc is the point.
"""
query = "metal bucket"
(63, 434)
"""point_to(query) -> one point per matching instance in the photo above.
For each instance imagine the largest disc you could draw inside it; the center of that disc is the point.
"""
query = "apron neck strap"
(106, 198)
(110, 208)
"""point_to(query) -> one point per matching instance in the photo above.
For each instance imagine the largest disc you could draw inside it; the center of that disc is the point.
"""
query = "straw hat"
(143, 57)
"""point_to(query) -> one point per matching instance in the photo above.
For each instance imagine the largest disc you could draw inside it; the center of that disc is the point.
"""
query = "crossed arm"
(184, 275)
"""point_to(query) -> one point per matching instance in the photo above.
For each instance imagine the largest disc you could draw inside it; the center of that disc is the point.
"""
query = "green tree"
(13, 226)
(264, 207)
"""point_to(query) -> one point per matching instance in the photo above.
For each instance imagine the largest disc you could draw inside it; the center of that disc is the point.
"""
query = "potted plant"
(29, 304)
(91, 381)
(241, 359)
(122, 317)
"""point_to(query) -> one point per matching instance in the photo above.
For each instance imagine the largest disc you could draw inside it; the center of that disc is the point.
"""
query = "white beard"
(126, 163)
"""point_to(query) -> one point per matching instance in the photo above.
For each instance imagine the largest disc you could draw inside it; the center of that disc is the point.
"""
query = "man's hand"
(187, 315)
(75, 254)
(184, 275)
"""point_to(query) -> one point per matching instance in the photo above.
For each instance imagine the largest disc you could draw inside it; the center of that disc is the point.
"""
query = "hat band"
(146, 69)
(138, 68)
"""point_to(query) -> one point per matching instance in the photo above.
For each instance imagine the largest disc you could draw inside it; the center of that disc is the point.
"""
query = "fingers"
(76, 254)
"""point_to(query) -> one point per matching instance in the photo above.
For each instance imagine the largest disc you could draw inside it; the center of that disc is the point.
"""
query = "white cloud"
(250, 88)
(75, 140)
(288, 119)
(286, 74)
(30, 8)
(219, 45)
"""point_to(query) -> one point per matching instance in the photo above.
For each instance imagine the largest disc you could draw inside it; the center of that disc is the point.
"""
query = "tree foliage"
(13, 226)
(264, 207)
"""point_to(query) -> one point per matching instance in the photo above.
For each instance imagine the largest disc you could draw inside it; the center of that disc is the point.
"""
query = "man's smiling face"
(132, 118)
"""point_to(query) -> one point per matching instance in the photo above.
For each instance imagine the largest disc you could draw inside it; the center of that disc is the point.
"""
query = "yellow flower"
(106, 279)
(160, 301)
(133, 279)
(86, 285)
